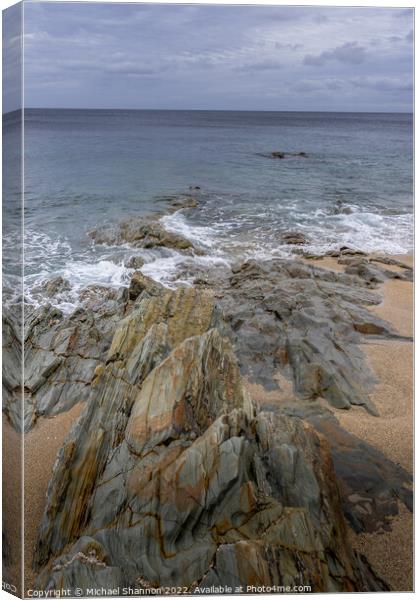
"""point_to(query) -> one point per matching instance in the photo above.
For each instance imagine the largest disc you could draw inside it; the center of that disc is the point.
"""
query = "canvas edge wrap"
(12, 327)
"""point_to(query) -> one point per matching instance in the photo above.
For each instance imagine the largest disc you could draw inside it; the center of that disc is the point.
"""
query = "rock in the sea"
(180, 201)
(56, 286)
(134, 262)
(293, 237)
(279, 154)
(184, 202)
(171, 478)
(140, 233)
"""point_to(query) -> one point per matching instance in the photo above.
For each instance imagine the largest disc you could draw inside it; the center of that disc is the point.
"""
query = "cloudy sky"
(218, 57)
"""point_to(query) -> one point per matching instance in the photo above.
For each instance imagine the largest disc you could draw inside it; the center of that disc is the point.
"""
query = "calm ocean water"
(84, 168)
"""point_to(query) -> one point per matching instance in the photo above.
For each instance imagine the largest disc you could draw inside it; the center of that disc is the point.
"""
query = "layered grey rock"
(307, 323)
(171, 477)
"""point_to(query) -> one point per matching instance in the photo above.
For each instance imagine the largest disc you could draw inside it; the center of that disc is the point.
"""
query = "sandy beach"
(392, 432)
(42, 445)
(12, 505)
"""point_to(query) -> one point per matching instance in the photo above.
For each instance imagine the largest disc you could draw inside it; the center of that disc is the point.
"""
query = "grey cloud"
(12, 58)
(132, 68)
(323, 85)
(350, 53)
(213, 56)
(282, 46)
(385, 84)
(262, 65)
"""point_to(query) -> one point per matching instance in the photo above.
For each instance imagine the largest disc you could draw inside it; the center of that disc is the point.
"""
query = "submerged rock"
(181, 201)
(279, 154)
(185, 201)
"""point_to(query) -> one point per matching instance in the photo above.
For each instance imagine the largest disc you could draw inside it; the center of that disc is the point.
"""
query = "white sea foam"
(230, 238)
(181, 269)
(43, 250)
(103, 272)
(366, 231)
(177, 222)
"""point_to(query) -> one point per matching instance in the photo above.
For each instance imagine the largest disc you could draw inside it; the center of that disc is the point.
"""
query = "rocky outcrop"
(140, 233)
(306, 322)
(370, 269)
(12, 366)
(61, 353)
(173, 477)
(140, 283)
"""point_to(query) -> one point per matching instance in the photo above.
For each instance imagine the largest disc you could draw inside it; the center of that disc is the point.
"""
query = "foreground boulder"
(172, 478)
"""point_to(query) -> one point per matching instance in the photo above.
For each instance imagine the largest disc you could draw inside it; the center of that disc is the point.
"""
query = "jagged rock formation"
(306, 322)
(173, 477)
(12, 366)
(61, 353)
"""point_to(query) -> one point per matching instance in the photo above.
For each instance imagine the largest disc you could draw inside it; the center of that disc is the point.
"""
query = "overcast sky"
(218, 57)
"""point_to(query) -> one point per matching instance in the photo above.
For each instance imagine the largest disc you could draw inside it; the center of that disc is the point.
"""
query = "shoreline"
(378, 547)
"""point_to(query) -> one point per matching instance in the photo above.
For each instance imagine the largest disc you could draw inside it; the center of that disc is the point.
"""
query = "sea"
(85, 168)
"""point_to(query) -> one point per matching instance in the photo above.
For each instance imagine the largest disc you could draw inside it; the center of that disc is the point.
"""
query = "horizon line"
(401, 112)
